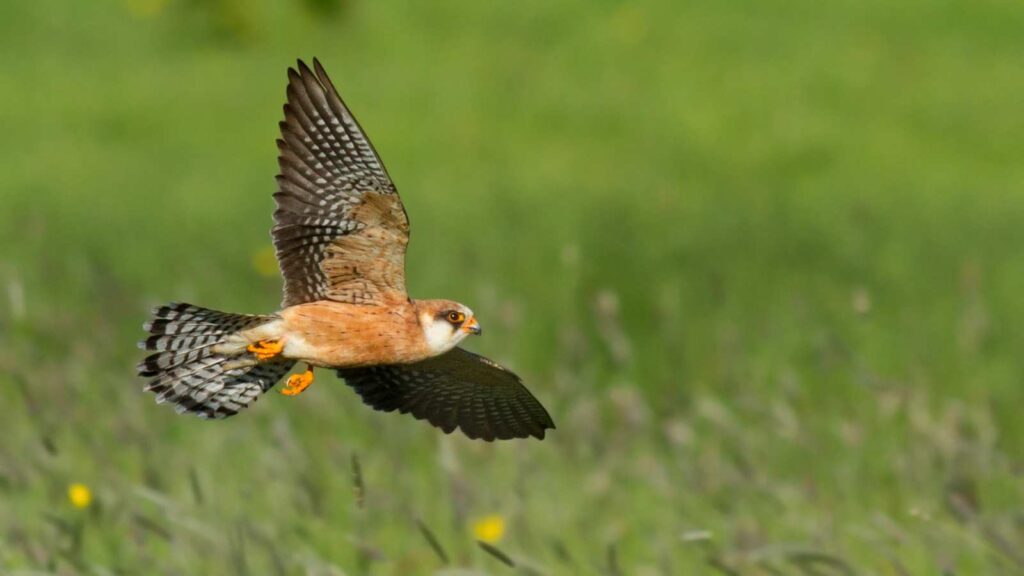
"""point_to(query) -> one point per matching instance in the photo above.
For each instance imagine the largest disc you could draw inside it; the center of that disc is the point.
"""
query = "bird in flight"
(340, 233)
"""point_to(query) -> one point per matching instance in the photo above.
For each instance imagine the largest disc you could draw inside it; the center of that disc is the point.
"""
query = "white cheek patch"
(439, 334)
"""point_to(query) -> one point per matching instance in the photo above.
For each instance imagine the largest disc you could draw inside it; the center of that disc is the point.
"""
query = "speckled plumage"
(340, 234)
(340, 229)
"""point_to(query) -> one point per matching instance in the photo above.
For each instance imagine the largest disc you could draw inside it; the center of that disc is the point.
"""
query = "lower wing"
(457, 389)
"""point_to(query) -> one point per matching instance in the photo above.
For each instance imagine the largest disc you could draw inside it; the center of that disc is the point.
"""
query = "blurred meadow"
(762, 261)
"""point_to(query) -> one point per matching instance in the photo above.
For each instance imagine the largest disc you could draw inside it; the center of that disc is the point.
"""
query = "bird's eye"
(456, 317)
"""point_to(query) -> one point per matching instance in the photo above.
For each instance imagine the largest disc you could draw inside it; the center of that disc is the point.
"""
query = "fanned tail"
(190, 370)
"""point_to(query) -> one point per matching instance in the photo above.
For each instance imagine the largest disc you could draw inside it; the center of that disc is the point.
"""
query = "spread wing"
(456, 389)
(340, 230)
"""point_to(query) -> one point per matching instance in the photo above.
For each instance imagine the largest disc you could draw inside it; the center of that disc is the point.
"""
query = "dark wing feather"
(457, 389)
(339, 229)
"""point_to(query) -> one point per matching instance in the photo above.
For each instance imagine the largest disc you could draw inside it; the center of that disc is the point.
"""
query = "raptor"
(340, 234)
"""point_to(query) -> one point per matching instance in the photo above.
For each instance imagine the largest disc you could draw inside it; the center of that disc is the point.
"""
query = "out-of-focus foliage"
(761, 260)
(231, 21)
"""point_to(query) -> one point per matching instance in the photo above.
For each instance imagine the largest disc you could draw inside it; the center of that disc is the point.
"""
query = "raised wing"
(340, 230)
(457, 389)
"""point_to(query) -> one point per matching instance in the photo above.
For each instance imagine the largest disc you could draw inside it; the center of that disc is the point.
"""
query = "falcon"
(340, 234)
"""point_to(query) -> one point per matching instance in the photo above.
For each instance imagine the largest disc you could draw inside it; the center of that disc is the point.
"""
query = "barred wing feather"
(457, 389)
(340, 230)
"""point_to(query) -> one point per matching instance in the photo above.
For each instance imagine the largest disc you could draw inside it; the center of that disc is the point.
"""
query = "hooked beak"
(472, 326)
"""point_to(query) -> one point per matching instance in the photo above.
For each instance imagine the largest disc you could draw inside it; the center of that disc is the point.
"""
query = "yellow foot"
(265, 349)
(298, 382)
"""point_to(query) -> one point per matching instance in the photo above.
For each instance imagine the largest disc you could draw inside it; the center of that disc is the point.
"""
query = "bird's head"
(445, 323)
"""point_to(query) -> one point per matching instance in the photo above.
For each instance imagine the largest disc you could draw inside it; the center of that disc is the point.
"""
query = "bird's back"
(338, 334)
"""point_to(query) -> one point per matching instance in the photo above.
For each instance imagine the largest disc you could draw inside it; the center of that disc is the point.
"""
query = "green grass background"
(761, 260)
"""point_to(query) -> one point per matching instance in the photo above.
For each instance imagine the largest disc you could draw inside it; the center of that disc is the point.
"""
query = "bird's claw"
(298, 382)
(265, 349)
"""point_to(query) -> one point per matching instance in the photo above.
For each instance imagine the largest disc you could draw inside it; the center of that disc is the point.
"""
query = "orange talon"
(265, 349)
(298, 382)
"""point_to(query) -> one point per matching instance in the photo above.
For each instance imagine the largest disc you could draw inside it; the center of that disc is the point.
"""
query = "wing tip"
(303, 68)
(539, 431)
(542, 432)
(321, 74)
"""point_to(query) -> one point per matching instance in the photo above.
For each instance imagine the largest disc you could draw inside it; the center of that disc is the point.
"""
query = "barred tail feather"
(187, 371)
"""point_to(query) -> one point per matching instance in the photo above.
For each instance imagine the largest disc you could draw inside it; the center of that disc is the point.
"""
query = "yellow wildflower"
(79, 495)
(489, 529)
(264, 261)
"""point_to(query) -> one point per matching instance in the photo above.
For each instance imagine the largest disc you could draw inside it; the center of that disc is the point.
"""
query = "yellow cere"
(79, 495)
(489, 529)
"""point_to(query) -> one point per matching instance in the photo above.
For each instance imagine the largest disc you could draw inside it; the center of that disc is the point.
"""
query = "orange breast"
(336, 334)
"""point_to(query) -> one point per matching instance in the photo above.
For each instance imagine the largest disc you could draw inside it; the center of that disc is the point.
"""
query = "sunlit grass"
(761, 262)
